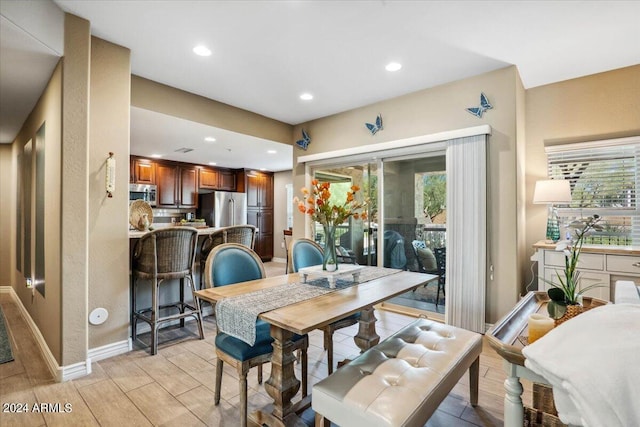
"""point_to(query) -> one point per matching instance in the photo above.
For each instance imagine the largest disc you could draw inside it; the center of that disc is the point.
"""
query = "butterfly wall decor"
(484, 106)
(305, 141)
(373, 128)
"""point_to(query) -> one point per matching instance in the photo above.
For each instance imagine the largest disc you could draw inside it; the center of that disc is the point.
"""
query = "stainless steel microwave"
(143, 192)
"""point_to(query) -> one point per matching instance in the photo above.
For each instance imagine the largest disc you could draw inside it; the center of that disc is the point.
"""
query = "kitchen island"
(202, 231)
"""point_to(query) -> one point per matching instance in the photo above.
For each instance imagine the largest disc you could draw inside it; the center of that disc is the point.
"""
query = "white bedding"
(593, 364)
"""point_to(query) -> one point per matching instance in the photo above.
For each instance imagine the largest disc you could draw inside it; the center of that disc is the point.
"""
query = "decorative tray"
(510, 334)
(137, 210)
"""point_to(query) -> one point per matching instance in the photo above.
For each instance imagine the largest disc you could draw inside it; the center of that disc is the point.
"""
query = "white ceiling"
(27, 58)
(156, 133)
(266, 53)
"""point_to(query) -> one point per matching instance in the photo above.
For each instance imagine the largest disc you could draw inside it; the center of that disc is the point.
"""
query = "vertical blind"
(604, 179)
(466, 269)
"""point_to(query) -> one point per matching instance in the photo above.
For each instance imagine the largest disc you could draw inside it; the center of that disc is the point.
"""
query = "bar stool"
(159, 255)
(242, 234)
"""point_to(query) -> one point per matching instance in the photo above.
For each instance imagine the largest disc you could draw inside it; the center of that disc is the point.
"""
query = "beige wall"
(600, 106)
(108, 217)
(443, 109)
(280, 180)
(45, 311)
(75, 189)
(86, 241)
(164, 99)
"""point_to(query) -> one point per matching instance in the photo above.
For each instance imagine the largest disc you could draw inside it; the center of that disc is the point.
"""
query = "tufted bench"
(402, 380)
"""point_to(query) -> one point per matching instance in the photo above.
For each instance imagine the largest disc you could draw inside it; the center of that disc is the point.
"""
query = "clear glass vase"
(553, 227)
(330, 255)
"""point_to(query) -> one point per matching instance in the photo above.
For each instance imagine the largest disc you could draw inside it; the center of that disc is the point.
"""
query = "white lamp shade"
(551, 191)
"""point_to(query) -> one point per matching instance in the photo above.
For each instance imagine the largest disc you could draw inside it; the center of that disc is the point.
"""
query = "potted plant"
(566, 296)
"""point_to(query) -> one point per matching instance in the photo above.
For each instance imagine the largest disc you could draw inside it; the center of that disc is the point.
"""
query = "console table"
(602, 265)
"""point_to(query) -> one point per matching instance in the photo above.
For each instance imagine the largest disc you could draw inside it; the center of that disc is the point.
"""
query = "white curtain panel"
(466, 232)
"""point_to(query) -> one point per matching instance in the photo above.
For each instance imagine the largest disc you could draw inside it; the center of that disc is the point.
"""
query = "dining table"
(304, 316)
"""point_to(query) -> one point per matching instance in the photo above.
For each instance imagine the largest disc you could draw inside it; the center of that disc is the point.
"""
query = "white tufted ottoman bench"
(402, 380)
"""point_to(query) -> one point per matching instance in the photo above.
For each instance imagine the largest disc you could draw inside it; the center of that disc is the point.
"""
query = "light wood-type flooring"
(175, 387)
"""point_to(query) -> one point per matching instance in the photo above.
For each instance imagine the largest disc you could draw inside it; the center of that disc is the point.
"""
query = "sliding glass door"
(355, 238)
(414, 225)
(406, 220)
(405, 180)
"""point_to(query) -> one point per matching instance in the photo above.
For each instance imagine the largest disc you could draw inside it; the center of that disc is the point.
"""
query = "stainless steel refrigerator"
(223, 208)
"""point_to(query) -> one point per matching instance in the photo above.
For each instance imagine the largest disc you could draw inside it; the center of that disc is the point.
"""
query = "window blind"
(604, 179)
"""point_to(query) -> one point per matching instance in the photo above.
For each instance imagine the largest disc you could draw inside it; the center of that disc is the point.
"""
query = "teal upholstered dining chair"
(305, 253)
(231, 263)
(242, 234)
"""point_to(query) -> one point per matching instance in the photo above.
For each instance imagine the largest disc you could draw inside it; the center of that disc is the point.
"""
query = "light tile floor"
(176, 386)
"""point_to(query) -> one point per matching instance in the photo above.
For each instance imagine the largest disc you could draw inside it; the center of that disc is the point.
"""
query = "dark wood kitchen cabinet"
(259, 189)
(188, 187)
(142, 171)
(177, 186)
(227, 180)
(217, 179)
(209, 179)
(263, 220)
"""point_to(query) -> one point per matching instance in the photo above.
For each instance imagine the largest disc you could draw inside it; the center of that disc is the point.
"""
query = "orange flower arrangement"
(316, 204)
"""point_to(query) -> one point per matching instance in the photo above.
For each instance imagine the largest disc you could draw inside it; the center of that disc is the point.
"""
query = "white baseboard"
(77, 370)
(68, 372)
(280, 260)
(109, 350)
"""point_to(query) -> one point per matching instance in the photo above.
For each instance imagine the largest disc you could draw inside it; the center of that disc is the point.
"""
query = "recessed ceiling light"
(212, 163)
(210, 139)
(157, 156)
(306, 97)
(202, 50)
(393, 66)
(271, 151)
(263, 169)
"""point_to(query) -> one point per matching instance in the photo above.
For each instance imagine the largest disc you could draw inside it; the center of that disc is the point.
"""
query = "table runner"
(237, 316)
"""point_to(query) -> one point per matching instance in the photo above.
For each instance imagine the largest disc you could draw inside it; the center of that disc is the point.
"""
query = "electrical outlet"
(282, 245)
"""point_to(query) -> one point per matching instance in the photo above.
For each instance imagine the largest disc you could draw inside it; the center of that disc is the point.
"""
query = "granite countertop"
(135, 234)
(595, 249)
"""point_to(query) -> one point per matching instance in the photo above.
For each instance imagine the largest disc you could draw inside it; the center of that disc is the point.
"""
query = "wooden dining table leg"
(367, 336)
(282, 385)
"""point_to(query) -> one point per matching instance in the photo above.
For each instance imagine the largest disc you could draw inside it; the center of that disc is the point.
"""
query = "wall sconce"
(550, 192)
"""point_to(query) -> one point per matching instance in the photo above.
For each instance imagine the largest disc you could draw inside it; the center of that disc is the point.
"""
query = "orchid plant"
(566, 291)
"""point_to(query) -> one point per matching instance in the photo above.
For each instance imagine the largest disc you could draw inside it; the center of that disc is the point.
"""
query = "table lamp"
(550, 192)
